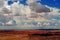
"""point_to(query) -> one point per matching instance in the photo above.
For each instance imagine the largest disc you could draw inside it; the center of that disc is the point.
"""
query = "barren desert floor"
(30, 35)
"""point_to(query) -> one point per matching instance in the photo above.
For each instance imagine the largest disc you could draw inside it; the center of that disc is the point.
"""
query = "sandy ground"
(29, 35)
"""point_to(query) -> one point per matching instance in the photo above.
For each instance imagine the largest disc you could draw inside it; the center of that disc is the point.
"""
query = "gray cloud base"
(38, 8)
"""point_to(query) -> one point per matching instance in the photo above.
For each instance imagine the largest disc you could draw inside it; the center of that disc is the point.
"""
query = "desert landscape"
(30, 35)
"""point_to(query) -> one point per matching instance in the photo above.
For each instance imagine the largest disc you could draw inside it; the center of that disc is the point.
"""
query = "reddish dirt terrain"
(30, 35)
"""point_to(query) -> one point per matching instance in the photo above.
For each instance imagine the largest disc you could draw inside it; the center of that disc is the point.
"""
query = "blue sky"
(22, 2)
(51, 3)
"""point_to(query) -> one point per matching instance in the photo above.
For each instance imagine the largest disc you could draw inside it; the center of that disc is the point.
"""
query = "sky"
(51, 3)
(49, 21)
(21, 2)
